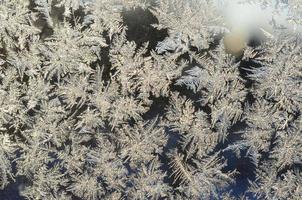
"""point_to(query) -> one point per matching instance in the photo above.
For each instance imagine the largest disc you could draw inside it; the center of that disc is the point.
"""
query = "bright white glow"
(250, 18)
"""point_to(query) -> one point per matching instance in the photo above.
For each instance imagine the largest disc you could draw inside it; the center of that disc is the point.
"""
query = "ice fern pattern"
(97, 105)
